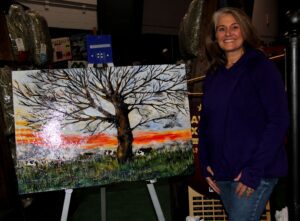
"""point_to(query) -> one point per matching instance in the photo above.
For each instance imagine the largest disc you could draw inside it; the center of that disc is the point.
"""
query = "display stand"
(151, 189)
(68, 193)
(103, 204)
(155, 200)
(103, 190)
(64, 215)
(150, 186)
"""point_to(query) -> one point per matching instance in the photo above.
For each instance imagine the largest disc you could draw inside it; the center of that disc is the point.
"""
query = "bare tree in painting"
(103, 98)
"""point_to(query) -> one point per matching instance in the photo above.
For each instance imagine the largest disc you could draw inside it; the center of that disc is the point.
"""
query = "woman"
(244, 118)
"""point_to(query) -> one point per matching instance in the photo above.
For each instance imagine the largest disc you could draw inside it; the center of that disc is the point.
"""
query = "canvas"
(95, 126)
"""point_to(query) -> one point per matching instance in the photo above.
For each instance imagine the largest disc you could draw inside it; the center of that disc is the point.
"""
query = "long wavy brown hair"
(214, 54)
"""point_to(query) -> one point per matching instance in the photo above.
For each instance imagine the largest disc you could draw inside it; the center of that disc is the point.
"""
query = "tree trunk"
(125, 137)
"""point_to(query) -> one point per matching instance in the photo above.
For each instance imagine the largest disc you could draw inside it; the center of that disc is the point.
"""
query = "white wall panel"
(63, 17)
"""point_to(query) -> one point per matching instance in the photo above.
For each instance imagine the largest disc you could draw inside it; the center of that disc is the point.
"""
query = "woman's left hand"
(242, 188)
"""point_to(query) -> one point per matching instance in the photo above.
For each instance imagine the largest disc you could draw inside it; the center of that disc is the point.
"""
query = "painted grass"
(104, 170)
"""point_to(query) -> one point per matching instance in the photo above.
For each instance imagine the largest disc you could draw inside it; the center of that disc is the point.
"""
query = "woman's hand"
(211, 182)
(242, 188)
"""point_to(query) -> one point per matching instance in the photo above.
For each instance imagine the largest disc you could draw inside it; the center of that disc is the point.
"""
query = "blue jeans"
(245, 208)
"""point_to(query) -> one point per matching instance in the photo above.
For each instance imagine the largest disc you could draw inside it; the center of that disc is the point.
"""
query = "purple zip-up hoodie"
(244, 120)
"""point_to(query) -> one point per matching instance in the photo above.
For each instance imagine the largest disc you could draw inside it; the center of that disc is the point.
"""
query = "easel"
(64, 214)
(68, 192)
(150, 186)
(155, 200)
(66, 206)
(151, 189)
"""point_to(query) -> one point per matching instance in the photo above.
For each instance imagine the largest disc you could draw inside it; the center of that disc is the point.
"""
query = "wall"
(163, 17)
(160, 17)
(69, 14)
(265, 19)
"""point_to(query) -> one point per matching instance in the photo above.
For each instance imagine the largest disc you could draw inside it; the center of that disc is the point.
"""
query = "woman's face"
(228, 34)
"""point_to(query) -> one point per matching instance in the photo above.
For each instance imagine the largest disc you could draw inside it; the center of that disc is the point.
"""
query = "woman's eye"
(220, 29)
(235, 27)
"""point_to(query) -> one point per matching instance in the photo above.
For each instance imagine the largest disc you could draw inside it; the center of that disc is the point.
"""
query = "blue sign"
(99, 49)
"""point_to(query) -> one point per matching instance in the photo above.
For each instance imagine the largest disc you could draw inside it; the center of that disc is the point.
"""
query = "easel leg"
(155, 201)
(66, 206)
(103, 204)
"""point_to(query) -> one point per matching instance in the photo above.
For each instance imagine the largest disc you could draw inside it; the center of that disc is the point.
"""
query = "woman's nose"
(228, 32)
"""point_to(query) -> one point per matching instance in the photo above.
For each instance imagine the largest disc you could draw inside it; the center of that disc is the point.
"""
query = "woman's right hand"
(211, 182)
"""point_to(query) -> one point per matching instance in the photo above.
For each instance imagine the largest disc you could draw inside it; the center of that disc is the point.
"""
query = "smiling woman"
(231, 31)
(229, 38)
(244, 118)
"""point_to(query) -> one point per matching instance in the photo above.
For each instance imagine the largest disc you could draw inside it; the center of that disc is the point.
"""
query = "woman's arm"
(271, 92)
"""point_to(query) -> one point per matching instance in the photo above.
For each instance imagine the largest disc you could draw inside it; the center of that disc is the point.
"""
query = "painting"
(86, 127)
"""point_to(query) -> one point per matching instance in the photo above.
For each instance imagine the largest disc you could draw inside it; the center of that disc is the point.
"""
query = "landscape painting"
(95, 126)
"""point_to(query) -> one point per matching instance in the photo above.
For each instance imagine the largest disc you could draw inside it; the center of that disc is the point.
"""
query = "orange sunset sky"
(24, 135)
